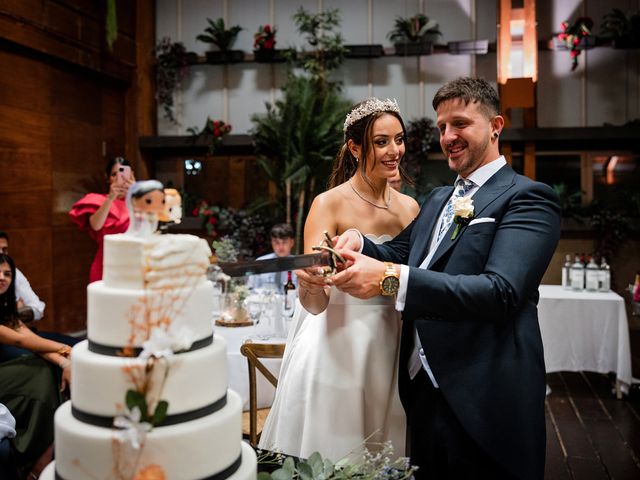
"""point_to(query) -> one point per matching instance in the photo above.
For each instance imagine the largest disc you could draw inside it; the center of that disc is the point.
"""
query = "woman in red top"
(107, 214)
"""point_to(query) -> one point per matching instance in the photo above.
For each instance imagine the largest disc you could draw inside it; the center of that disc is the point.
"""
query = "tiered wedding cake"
(149, 396)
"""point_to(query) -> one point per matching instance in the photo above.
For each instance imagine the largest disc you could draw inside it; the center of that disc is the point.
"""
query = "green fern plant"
(296, 141)
(217, 34)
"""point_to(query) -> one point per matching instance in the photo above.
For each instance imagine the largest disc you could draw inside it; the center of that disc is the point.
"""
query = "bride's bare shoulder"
(331, 199)
(408, 203)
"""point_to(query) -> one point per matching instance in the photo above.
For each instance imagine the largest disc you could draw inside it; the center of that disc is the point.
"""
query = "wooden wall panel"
(23, 88)
(58, 122)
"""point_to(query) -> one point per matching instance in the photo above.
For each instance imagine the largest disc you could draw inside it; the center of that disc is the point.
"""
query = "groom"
(466, 275)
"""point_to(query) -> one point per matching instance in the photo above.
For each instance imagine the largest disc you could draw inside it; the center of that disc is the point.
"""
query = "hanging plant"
(575, 37)
(111, 24)
(171, 68)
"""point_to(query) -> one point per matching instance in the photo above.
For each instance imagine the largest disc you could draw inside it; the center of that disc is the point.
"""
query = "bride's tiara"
(369, 106)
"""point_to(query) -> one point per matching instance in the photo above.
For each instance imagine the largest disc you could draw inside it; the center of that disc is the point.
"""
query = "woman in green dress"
(31, 386)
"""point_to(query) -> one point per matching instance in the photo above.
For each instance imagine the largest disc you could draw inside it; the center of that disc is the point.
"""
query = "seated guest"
(33, 307)
(282, 241)
(8, 469)
(30, 309)
(30, 386)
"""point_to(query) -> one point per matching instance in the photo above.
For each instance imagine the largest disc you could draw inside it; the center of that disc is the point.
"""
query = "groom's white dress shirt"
(418, 358)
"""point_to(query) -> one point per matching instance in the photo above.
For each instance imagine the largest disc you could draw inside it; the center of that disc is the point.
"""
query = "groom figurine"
(466, 275)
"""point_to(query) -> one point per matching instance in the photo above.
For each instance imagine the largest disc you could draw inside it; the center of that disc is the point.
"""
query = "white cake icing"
(109, 311)
(154, 298)
(162, 261)
(97, 382)
(186, 451)
(247, 470)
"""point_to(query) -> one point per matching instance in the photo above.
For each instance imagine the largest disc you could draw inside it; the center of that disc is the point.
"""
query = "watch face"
(390, 285)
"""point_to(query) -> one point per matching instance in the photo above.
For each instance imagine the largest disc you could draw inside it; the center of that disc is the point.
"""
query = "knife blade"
(278, 264)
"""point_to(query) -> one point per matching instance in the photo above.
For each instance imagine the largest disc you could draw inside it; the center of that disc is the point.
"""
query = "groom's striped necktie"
(462, 187)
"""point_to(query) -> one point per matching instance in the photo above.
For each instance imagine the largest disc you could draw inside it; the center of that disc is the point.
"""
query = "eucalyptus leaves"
(366, 465)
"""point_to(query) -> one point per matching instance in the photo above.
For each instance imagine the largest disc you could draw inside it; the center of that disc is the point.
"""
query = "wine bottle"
(636, 289)
(289, 296)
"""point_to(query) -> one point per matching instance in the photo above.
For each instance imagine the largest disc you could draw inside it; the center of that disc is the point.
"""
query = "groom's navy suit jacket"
(475, 310)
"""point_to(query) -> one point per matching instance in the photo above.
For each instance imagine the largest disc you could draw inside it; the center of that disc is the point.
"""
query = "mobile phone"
(124, 174)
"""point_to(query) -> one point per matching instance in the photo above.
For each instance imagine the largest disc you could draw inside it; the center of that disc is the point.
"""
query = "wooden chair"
(256, 417)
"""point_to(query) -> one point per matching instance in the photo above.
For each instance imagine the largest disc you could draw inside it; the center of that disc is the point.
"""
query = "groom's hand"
(362, 278)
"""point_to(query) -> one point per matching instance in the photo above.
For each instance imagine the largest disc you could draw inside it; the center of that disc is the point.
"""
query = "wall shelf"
(609, 138)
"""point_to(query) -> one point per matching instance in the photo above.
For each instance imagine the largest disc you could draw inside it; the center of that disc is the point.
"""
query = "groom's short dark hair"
(470, 90)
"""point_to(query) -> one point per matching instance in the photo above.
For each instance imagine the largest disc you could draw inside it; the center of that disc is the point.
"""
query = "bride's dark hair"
(360, 132)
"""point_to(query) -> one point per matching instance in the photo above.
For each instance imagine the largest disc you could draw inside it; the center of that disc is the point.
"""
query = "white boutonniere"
(463, 213)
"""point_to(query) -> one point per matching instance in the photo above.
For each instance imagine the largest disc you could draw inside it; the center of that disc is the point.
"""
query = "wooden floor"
(591, 434)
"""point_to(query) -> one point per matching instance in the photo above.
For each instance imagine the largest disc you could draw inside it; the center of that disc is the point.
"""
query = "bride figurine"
(337, 389)
(146, 202)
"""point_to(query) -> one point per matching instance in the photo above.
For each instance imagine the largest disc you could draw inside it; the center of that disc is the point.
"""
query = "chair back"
(254, 352)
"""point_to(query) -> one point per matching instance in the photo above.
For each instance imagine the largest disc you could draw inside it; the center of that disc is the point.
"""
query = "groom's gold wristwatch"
(390, 282)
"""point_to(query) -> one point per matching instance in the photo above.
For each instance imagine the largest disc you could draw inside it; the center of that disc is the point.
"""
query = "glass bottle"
(566, 272)
(577, 274)
(592, 275)
(289, 296)
(605, 276)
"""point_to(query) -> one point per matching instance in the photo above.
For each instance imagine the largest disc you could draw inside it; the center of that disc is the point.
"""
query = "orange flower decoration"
(150, 472)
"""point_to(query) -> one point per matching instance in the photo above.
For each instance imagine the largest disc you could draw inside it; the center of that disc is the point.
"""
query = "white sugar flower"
(132, 430)
(163, 343)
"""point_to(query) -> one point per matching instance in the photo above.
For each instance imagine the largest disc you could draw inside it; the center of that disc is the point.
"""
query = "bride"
(338, 381)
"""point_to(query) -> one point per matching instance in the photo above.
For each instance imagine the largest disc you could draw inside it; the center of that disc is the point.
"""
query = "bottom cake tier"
(209, 447)
(246, 471)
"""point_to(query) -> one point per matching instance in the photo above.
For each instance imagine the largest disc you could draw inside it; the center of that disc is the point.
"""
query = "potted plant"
(171, 68)
(264, 43)
(415, 35)
(214, 131)
(223, 38)
(328, 49)
(576, 37)
(623, 30)
(297, 138)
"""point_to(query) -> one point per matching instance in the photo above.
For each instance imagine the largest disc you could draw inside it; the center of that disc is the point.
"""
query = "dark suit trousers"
(438, 443)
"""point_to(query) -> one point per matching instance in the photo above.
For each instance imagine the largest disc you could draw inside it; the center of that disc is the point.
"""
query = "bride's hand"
(311, 279)
(349, 240)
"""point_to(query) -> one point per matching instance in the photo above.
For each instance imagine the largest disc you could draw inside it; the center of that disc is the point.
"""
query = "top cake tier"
(163, 261)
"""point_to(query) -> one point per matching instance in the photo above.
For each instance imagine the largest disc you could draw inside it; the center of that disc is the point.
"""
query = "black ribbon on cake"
(107, 421)
(117, 351)
(226, 473)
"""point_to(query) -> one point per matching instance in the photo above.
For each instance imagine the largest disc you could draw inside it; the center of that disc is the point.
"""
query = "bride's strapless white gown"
(338, 380)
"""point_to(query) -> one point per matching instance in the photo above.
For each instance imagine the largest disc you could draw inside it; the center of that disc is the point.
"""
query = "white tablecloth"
(584, 331)
(237, 364)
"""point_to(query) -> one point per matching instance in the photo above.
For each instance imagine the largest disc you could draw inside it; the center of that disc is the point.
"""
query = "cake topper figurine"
(172, 212)
(146, 202)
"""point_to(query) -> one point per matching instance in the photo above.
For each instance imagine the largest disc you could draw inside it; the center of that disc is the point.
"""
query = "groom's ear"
(497, 124)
